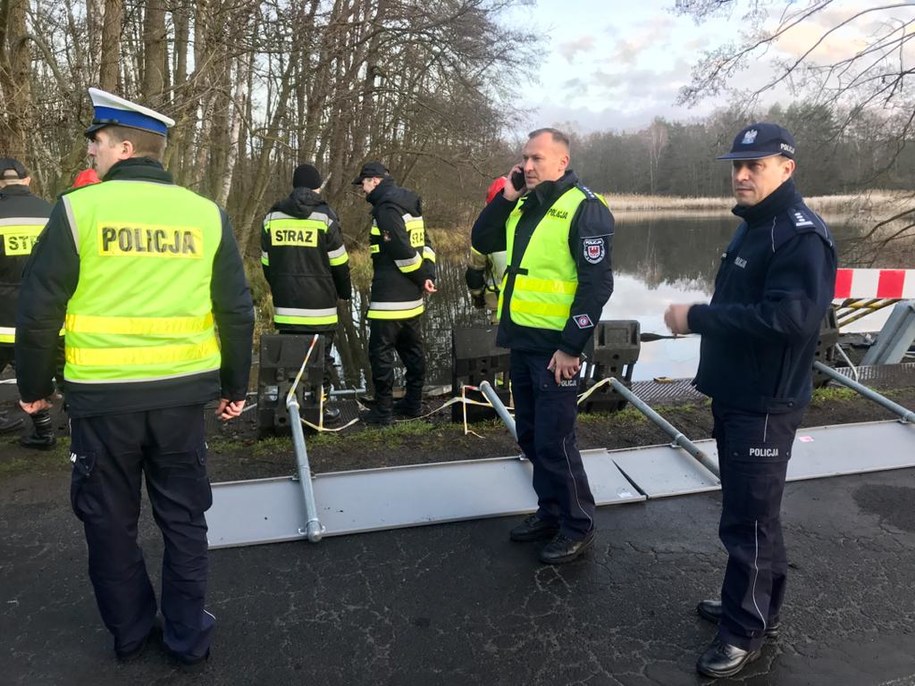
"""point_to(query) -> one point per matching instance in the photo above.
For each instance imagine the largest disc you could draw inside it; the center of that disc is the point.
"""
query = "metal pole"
(675, 434)
(904, 414)
(490, 393)
(313, 529)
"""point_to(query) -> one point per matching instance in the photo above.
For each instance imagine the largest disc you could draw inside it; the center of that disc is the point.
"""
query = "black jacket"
(302, 277)
(50, 279)
(592, 222)
(773, 289)
(16, 202)
(389, 284)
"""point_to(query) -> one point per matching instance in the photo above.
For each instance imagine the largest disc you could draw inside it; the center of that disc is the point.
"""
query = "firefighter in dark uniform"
(403, 270)
(558, 235)
(759, 337)
(22, 217)
(144, 276)
(306, 265)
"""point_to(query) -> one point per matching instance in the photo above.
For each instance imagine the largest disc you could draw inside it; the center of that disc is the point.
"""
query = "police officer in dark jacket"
(22, 217)
(558, 235)
(146, 279)
(403, 271)
(759, 336)
(307, 266)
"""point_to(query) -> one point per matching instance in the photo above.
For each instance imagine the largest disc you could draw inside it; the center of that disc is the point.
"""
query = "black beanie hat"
(306, 176)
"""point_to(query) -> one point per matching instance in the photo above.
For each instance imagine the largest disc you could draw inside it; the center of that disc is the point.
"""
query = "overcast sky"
(617, 64)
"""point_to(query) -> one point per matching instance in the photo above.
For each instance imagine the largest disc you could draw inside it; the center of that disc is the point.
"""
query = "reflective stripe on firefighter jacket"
(547, 277)
(142, 309)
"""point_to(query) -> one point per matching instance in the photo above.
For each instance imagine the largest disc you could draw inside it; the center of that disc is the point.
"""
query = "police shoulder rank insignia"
(801, 219)
(583, 321)
(594, 249)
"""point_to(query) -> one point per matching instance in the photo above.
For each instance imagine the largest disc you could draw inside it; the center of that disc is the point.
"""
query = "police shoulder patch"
(594, 249)
(583, 321)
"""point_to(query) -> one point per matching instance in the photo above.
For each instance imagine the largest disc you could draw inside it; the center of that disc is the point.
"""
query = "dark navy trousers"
(753, 454)
(111, 454)
(545, 415)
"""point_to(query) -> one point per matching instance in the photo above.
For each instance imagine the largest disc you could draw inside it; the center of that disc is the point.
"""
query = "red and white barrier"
(898, 284)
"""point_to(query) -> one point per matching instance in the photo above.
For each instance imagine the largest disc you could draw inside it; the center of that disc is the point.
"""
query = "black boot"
(380, 414)
(42, 436)
(409, 407)
(8, 423)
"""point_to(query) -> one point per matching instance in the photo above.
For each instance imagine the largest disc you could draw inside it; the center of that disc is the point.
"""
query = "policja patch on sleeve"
(594, 249)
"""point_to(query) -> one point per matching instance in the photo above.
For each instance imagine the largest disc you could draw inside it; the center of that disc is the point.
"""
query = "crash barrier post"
(493, 397)
(896, 336)
(613, 351)
(826, 346)
(904, 414)
(476, 358)
(676, 435)
(280, 356)
(313, 527)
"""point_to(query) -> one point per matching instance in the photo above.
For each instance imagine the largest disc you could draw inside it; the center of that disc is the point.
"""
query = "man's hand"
(563, 366)
(509, 192)
(229, 409)
(429, 286)
(35, 406)
(676, 318)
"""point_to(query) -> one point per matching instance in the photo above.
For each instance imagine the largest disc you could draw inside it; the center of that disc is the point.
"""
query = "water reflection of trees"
(672, 251)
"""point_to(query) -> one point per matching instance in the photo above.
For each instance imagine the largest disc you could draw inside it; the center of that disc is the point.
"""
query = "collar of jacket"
(778, 200)
(548, 192)
(138, 169)
(15, 189)
(381, 190)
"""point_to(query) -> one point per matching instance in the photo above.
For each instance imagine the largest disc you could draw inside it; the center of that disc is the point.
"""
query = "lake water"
(656, 261)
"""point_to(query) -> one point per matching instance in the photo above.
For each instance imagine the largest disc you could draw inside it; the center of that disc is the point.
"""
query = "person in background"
(403, 271)
(307, 267)
(22, 218)
(147, 282)
(759, 336)
(558, 237)
(484, 275)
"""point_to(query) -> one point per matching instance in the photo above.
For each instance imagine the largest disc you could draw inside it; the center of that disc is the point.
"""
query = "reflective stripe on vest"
(7, 335)
(18, 234)
(416, 233)
(142, 308)
(542, 296)
(395, 310)
(288, 231)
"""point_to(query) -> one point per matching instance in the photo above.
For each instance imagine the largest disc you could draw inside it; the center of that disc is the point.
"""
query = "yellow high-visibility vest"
(142, 309)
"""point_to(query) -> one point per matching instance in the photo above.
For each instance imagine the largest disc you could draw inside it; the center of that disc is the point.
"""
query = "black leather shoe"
(189, 665)
(722, 659)
(377, 417)
(562, 549)
(711, 610)
(533, 529)
(404, 408)
(37, 441)
(8, 424)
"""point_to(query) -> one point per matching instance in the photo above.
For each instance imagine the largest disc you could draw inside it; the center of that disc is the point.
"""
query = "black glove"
(478, 300)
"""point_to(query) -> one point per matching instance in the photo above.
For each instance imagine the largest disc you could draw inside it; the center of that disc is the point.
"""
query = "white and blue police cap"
(111, 110)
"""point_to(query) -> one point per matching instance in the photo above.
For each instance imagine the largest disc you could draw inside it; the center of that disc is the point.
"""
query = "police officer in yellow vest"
(558, 236)
(22, 217)
(146, 278)
(403, 271)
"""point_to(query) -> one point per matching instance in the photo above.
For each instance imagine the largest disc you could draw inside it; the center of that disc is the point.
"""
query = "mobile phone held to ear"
(518, 182)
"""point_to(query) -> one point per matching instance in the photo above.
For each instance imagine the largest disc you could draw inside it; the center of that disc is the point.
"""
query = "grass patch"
(832, 393)
(38, 461)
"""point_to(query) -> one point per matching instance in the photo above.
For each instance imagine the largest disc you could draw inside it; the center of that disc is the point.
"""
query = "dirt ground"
(235, 453)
